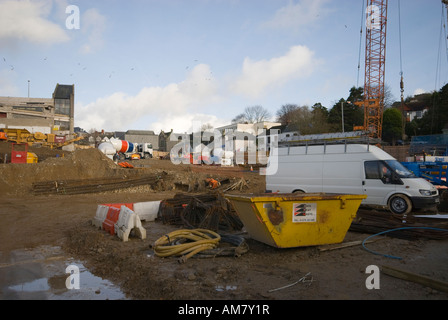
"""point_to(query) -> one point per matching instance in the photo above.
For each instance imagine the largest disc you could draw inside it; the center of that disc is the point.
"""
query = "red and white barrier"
(122, 218)
(127, 222)
(113, 214)
(100, 216)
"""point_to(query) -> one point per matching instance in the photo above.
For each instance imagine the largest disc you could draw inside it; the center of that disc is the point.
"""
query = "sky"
(167, 64)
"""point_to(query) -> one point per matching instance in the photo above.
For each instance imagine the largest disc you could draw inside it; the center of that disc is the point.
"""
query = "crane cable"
(360, 43)
(403, 119)
(399, 37)
(438, 67)
(445, 20)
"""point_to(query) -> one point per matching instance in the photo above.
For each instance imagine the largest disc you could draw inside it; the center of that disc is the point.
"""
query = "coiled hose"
(201, 243)
(186, 243)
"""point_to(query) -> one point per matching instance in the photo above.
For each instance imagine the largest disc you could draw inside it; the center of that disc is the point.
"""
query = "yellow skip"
(295, 220)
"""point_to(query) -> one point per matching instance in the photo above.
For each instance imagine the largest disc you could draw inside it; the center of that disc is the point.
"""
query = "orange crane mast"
(375, 63)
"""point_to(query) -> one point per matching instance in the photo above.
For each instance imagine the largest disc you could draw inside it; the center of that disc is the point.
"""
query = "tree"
(353, 115)
(318, 107)
(252, 114)
(304, 119)
(392, 125)
(320, 119)
(389, 98)
(356, 94)
(435, 119)
(286, 113)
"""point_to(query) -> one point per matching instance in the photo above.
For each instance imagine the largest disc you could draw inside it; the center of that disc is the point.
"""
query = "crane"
(445, 2)
(375, 63)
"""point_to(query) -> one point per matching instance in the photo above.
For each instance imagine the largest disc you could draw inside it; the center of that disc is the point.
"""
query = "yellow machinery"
(296, 220)
(31, 157)
(20, 154)
(47, 140)
(135, 156)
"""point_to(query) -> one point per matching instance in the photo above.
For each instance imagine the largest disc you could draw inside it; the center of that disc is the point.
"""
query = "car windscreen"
(399, 169)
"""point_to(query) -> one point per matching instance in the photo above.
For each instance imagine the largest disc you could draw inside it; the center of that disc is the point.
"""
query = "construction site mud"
(31, 221)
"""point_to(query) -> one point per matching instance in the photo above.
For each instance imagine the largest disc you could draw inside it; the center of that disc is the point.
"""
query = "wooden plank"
(344, 245)
(413, 277)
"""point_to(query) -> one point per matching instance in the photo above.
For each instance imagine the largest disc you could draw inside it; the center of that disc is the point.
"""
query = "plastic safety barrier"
(112, 217)
(147, 211)
(118, 205)
(100, 216)
(129, 221)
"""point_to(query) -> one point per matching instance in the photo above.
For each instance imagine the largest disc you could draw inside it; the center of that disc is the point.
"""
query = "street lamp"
(342, 110)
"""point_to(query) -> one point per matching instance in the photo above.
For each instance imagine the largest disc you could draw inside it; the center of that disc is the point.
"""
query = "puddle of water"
(35, 285)
(41, 274)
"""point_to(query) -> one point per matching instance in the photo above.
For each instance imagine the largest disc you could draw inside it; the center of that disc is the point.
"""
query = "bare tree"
(206, 126)
(285, 114)
(252, 114)
(389, 98)
(241, 118)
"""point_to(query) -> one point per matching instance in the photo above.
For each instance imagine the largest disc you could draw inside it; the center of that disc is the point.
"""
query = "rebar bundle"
(90, 185)
(377, 221)
(210, 211)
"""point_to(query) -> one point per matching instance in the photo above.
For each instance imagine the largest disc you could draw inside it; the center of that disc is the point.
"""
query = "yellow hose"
(186, 243)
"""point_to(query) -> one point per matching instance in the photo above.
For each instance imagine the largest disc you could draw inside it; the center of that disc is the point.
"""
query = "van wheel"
(298, 192)
(400, 204)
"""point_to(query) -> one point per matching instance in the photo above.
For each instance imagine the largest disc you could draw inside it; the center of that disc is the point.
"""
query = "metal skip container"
(296, 220)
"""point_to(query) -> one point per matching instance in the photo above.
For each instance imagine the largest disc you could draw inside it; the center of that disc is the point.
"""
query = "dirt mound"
(42, 153)
(18, 179)
(81, 164)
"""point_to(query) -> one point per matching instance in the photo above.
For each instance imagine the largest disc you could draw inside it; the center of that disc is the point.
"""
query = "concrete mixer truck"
(117, 149)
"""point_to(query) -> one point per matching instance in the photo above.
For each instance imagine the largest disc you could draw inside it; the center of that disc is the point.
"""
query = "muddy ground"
(262, 273)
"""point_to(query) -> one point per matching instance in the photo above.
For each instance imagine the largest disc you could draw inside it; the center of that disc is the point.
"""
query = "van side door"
(377, 183)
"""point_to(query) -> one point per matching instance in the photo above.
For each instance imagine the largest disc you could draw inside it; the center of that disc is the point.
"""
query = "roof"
(63, 91)
(141, 132)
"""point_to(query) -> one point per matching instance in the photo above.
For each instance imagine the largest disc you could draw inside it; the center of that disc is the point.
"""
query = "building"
(250, 128)
(167, 140)
(415, 108)
(45, 115)
(143, 136)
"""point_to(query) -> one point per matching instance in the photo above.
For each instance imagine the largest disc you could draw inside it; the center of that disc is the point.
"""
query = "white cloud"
(296, 15)
(93, 24)
(185, 122)
(259, 76)
(419, 91)
(27, 20)
(174, 103)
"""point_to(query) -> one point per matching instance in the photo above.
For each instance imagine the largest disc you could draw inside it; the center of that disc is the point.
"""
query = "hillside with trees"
(426, 114)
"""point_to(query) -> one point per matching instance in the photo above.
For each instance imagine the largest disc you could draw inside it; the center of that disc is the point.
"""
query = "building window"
(62, 106)
(63, 125)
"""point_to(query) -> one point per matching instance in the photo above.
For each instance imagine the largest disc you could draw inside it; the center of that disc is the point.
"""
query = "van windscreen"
(399, 169)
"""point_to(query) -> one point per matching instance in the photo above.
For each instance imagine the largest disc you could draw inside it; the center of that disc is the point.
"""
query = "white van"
(349, 169)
